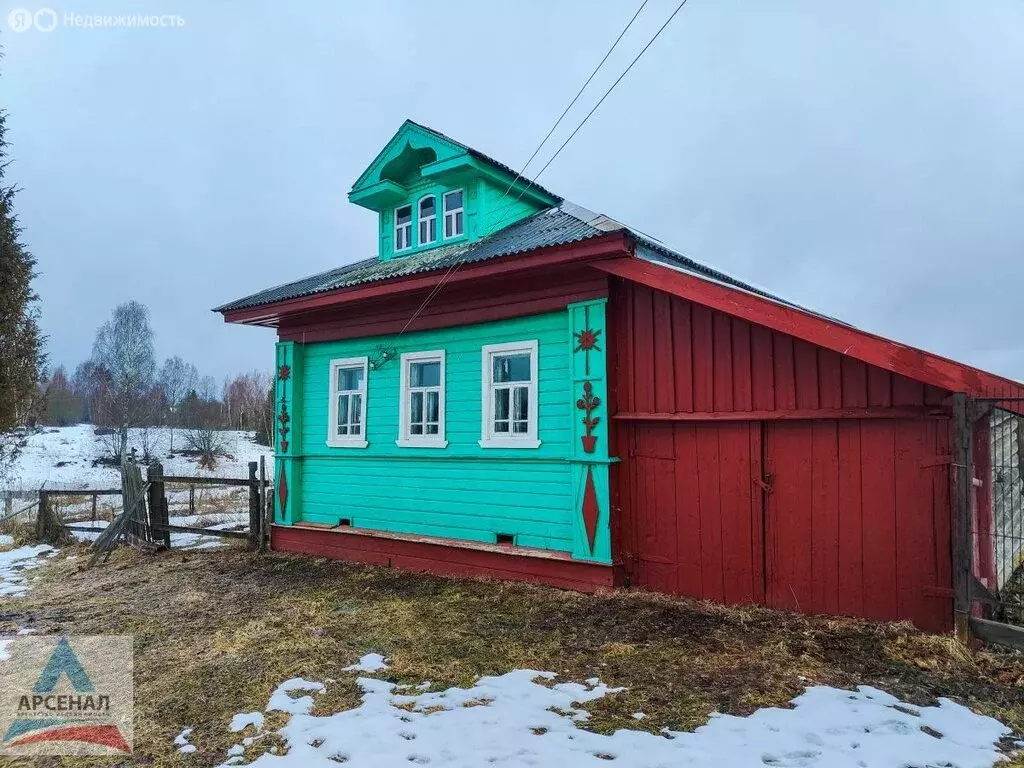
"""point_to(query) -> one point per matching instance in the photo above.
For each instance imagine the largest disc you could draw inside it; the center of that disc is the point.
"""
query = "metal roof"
(564, 224)
(554, 226)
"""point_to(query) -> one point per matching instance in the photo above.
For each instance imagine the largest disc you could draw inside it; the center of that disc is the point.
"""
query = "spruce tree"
(21, 344)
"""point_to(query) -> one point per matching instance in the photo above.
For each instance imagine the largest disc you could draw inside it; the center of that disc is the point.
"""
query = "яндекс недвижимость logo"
(66, 696)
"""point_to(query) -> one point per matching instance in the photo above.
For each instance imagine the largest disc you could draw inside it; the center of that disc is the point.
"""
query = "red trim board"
(444, 557)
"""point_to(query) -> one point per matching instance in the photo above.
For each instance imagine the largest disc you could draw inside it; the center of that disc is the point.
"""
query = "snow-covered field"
(63, 457)
(523, 718)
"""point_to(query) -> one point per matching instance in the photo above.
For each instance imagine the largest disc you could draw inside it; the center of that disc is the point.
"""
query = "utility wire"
(530, 182)
(455, 266)
(574, 100)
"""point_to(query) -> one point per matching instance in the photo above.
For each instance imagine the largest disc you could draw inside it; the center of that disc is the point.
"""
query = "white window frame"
(406, 227)
(405, 438)
(334, 440)
(488, 438)
(461, 209)
(421, 220)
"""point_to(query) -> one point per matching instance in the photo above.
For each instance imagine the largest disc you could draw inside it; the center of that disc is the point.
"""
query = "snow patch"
(280, 701)
(243, 720)
(371, 662)
(515, 721)
(14, 563)
(181, 741)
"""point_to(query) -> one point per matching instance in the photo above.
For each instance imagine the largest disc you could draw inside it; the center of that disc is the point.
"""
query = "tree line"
(121, 387)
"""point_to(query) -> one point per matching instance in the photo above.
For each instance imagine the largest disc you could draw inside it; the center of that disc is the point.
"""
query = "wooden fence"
(149, 526)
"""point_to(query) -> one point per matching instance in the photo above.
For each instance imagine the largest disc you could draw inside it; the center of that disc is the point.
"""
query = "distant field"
(63, 457)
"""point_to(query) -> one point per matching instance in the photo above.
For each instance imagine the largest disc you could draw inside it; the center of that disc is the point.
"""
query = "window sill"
(504, 442)
(420, 443)
(347, 444)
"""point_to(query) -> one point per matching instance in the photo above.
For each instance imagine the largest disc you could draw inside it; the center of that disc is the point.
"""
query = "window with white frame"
(421, 419)
(403, 227)
(453, 213)
(509, 396)
(428, 220)
(347, 408)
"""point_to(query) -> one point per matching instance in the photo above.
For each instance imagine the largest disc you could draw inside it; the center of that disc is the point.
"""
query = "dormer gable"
(431, 191)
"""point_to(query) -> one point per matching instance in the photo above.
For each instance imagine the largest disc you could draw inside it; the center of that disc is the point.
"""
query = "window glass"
(511, 368)
(425, 374)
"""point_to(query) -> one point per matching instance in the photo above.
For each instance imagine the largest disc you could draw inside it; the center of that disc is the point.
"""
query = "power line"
(574, 100)
(530, 182)
(454, 267)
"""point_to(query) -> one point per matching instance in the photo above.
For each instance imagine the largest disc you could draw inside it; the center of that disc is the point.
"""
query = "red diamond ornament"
(282, 491)
(590, 509)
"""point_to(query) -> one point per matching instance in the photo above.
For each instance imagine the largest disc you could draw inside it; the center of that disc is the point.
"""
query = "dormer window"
(453, 213)
(403, 228)
(428, 220)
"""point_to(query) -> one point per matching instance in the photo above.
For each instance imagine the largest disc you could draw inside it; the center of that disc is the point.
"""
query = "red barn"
(695, 436)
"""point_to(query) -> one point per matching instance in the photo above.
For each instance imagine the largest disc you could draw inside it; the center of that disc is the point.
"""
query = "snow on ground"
(62, 458)
(511, 720)
(371, 662)
(224, 521)
(14, 563)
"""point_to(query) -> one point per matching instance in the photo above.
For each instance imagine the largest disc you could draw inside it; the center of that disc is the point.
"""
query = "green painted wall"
(418, 162)
(461, 491)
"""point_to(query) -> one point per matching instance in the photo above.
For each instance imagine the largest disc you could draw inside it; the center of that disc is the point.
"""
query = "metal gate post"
(963, 551)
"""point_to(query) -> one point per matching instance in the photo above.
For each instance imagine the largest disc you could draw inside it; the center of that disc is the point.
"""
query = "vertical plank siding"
(674, 356)
(821, 515)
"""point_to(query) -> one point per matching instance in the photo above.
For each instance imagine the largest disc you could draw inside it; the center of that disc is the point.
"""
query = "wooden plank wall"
(673, 356)
(858, 518)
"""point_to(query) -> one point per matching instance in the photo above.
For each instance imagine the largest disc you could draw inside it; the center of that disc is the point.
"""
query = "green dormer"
(430, 191)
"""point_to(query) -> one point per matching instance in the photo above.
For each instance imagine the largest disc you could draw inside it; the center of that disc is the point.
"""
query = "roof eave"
(608, 245)
(786, 318)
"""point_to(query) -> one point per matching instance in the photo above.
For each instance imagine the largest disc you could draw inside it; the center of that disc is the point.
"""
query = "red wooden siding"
(698, 528)
(686, 358)
(760, 468)
(857, 521)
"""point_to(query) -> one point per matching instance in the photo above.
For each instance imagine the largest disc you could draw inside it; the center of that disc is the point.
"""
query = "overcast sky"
(864, 159)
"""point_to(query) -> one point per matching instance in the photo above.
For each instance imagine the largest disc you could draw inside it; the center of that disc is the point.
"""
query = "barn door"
(695, 509)
(857, 520)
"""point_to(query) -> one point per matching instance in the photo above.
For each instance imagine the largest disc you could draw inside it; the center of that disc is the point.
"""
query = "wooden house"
(515, 387)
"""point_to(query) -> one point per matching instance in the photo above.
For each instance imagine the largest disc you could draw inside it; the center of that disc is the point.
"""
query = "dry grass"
(216, 632)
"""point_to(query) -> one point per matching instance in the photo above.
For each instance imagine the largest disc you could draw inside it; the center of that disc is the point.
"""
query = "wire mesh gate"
(989, 515)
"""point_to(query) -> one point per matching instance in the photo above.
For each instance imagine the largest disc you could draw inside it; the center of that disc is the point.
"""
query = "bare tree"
(124, 348)
(177, 379)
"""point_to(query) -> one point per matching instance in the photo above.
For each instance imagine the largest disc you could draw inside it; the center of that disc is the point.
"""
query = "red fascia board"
(600, 246)
(875, 350)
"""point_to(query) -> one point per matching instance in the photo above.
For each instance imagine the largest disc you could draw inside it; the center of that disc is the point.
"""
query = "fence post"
(93, 517)
(264, 527)
(963, 488)
(255, 518)
(158, 514)
(42, 512)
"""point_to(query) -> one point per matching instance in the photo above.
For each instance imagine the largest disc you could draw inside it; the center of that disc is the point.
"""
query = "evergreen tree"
(21, 344)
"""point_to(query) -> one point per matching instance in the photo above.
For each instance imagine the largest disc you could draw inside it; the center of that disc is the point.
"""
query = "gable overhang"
(466, 166)
(611, 245)
(825, 332)
(379, 195)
